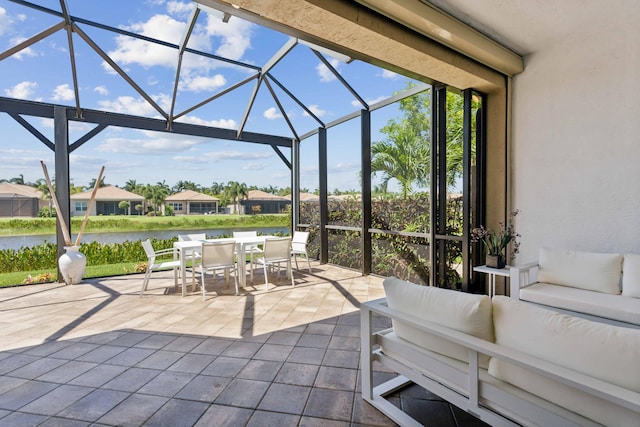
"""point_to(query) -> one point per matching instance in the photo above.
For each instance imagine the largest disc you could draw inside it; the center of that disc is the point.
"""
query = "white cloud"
(136, 51)
(179, 8)
(345, 167)
(372, 101)
(62, 93)
(198, 83)
(386, 74)
(102, 90)
(272, 114)
(221, 123)
(27, 51)
(235, 35)
(22, 90)
(325, 74)
(5, 21)
(152, 145)
(315, 110)
(138, 107)
(252, 166)
(235, 155)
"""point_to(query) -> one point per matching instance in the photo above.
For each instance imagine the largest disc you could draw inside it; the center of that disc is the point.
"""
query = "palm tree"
(156, 194)
(236, 192)
(403, 156)
(131, 185)
(185, 185)
(41, 186)
(92, 184)
(18, 180)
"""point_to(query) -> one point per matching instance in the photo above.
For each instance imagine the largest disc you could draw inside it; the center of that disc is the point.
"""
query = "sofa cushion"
(606, 352)
(580, 402)
(616, 307)
(631, 276)
(585, 270)
(463, 312)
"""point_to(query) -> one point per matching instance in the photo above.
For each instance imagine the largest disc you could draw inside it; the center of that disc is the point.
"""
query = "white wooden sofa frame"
(521, 276)
(498, 406)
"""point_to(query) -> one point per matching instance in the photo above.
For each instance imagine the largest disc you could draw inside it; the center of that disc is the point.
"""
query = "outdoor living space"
(96, 353)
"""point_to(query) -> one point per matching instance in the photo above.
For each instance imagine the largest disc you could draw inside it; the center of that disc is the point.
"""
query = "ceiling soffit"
(363, 34)
(423, 17)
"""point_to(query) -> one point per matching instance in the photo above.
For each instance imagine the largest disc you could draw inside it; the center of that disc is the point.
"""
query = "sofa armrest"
(520, 276)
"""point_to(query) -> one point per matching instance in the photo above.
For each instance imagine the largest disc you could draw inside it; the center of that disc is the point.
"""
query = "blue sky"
(42, 73)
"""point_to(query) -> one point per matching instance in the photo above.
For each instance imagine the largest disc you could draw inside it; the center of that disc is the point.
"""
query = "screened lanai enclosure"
(79, 83)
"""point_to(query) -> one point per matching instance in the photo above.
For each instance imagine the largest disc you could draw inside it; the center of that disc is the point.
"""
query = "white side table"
(493, 273)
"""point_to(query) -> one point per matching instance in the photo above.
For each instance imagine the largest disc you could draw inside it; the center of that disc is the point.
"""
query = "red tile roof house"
(20, 200)
(191, 202)
(106, 202)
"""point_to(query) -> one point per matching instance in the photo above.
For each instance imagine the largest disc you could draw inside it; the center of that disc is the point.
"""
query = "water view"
(16, 242)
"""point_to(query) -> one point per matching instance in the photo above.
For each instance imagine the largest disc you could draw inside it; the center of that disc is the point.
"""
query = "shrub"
(47, 212)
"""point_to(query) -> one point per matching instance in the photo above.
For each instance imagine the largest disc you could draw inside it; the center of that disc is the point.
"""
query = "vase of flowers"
(496, 242)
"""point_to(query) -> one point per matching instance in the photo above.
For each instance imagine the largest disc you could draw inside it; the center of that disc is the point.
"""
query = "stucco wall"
(576, 142)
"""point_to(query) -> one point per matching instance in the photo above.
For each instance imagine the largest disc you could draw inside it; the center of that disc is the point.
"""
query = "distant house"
(305, 197)
(310, 197)
(20, 200)
(262, 202)
(191, 202)
(107, 202)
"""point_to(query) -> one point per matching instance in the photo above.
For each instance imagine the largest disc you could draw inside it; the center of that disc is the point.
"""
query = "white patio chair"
(152, 265)
(218, 256)
(251, 249)
(299, 247)
(194, 254)
(275, 252)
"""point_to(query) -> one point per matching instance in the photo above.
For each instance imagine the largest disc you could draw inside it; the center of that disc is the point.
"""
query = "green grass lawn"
(98, 224)
(49, 275)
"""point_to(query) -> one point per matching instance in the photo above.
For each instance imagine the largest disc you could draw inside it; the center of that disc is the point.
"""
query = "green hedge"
(45, 256)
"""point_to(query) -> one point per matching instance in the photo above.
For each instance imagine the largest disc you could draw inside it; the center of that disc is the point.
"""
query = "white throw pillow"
(467, 313)
(585, 270)
(631, 276)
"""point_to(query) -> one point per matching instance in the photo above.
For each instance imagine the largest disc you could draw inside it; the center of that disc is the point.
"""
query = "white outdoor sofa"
(505, 361)
(598, 286)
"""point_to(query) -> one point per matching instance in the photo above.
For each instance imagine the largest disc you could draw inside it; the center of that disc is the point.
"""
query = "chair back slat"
(277, 248)
(148, 249)
(299, 240)
(217, 253)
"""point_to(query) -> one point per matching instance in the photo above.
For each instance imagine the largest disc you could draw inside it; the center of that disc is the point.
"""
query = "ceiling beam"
(31, 40)
(39, 109)
(119, 70)
(340, 78)
(183, 45)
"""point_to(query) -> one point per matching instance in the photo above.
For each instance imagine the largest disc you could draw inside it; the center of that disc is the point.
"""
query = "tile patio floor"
(96, 354)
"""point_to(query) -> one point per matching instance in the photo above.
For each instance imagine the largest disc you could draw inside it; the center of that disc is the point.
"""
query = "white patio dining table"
(241, 245)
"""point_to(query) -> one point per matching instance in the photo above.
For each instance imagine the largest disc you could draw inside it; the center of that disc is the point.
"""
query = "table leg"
(239, 251)
(183, 272)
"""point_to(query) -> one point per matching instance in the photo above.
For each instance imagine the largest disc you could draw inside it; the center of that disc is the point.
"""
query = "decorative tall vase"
(72, 264)
(495, 261)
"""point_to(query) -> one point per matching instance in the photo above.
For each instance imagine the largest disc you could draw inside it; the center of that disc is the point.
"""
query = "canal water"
(16, 242)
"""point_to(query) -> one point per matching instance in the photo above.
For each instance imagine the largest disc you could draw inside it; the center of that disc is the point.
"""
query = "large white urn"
(72, 264)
